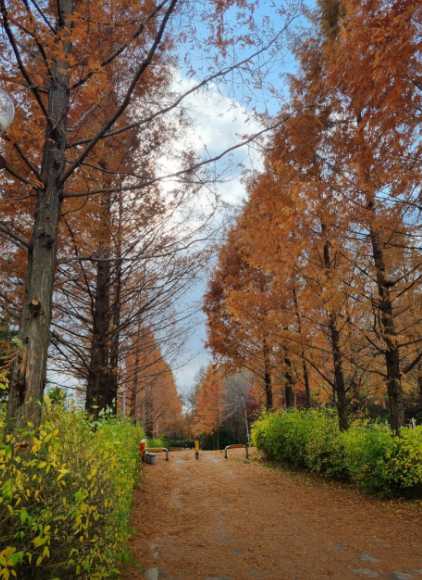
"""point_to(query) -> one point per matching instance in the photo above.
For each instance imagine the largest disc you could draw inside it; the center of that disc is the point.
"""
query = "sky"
(219, 117)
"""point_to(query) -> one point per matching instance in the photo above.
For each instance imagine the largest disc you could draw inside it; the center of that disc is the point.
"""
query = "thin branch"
(121, 109)
(43, 16)
(22, 67)
(123, 47)
(412, 364)
(223, 72)
(179, 173)
(4, 228)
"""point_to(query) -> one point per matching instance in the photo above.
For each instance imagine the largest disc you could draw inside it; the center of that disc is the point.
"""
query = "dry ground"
(217, 519)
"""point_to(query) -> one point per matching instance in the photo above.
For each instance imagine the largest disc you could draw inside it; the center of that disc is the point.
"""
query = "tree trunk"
(289, 388)
(115, 308)
(267, 378)
(305, 372)
(339, 382)
(133, 393)
(148, 422)
(29, 373)
(99, 396)
(306, 382)
(392, 354)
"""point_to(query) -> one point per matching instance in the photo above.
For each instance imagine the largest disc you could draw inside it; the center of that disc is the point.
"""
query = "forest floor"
(217, 519)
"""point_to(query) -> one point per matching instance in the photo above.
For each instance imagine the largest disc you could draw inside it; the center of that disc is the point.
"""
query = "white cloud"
(216, 123)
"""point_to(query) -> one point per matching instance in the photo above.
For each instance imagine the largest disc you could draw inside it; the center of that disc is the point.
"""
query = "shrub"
(65, 500)
(406, 463)
(368, 454)
(368, 449)
(381, 462)
(155, 442)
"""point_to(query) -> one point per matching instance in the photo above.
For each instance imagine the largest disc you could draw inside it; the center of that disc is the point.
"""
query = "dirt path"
(231, 520)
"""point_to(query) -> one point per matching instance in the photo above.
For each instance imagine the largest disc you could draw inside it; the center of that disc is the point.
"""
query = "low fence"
(236, 446)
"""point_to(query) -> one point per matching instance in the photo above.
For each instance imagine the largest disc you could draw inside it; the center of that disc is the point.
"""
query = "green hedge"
(155, 442)
(368, 454)
(65, 500)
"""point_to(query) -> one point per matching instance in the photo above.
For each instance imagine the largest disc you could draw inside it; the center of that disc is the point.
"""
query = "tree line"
(93, 251)
(317, 289)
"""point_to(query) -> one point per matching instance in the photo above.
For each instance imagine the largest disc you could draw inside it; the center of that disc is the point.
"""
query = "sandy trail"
(232, 520)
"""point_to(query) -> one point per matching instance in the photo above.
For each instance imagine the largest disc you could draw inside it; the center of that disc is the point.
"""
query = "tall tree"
(58, 58)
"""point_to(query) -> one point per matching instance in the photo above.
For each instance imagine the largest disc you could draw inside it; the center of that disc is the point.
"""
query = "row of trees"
(93, 252)
(223, 406)
(318, 285)
(148, 389)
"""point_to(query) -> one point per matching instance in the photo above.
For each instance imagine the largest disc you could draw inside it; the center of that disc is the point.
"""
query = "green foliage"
(368, 454)
(181, 442)
(157, 442)
(4, 385)
(65, 498)
(57, 396)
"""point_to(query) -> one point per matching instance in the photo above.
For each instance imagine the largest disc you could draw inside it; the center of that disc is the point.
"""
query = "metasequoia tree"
(62, 80)
(240, 406)
(309, 263)
(238, 310)
(149, 392)
(224, 403)
(209, 402)
(354, 148)
(334, 219)
(145, 273)
(59, 59)
(377, 147)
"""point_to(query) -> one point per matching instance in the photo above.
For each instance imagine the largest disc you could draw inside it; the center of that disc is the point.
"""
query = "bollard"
(196, 448)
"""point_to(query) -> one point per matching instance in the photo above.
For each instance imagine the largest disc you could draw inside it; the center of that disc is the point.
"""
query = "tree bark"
(115, 309)
(133, 393)
(102, 384)
(305, 372)
(267, 378)
(98, 394)
(392, 354)
(29, 373)
(340, 395)
(148, 422)
(289, 387)
(339, 383)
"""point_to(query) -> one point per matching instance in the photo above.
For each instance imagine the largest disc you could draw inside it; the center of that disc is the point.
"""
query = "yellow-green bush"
(65, 499)
(379, 461)
(368, 454)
